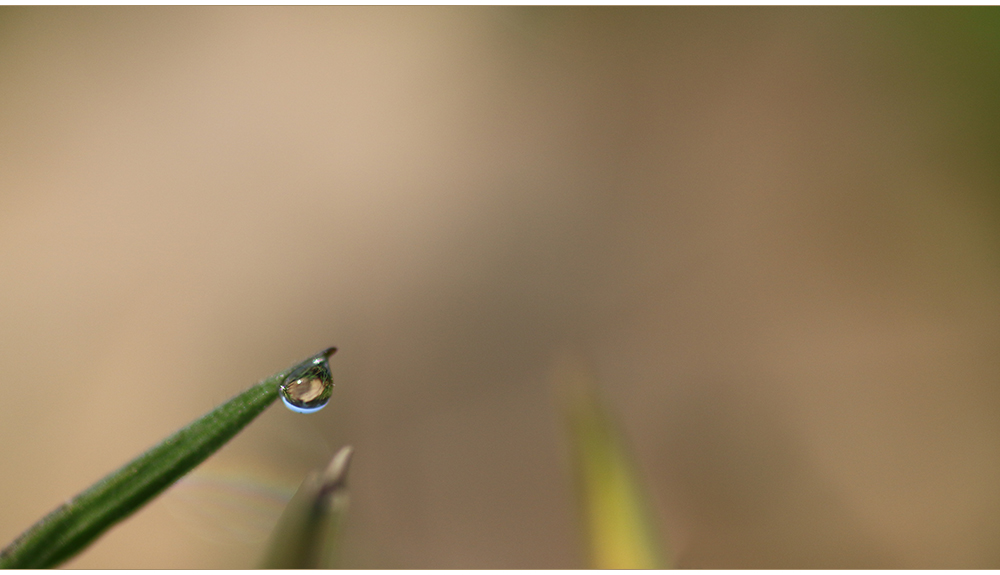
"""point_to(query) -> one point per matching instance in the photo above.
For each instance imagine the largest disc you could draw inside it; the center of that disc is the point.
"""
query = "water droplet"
(307, 388)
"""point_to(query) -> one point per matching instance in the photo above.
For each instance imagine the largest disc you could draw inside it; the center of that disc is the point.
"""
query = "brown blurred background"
(771, 232)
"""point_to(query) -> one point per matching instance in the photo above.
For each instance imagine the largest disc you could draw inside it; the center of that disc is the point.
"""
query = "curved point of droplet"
(328, 352)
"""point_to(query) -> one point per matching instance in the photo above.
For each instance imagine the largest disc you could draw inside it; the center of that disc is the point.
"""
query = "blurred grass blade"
(616, 511)
(74, 525)
(307, 531)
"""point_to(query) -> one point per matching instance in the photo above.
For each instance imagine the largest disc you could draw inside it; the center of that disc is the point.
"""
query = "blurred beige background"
(771, 232)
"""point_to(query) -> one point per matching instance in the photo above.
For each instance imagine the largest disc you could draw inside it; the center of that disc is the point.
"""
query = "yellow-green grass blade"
(308, 530)
(70, 528)
(618, 524)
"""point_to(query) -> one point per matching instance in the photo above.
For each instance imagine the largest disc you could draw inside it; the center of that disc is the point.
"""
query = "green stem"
(69, 529)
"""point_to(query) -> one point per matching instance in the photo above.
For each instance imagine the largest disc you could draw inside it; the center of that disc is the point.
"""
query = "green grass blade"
(78, 522)
(620, 530)
(307, 532)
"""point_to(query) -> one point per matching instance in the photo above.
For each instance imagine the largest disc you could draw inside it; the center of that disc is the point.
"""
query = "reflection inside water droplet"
(308, 388)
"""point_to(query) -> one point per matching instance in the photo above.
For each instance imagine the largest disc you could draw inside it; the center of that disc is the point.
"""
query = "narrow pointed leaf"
(75, 524)
(620, 531)
(308, 530)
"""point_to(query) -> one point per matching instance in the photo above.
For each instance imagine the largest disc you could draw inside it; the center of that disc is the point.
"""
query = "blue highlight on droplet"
(298, 409)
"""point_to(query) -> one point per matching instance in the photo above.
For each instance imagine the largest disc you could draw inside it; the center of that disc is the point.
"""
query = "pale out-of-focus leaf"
(617, 517)
(308, 530)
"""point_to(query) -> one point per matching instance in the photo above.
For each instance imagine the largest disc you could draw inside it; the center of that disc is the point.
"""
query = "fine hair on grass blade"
(70, 528)
(620, 531)
(307, 532)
